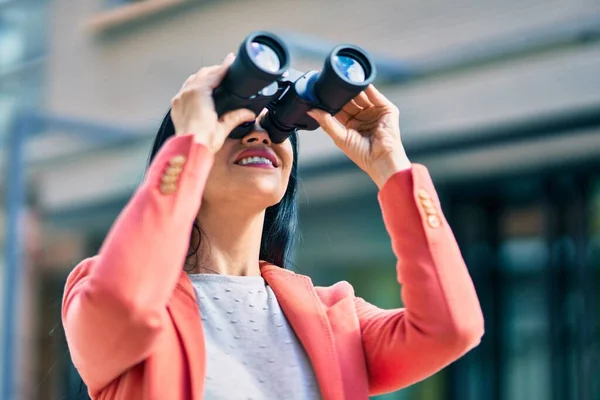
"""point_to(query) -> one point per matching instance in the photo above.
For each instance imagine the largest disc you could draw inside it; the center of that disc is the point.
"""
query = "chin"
(265, 196)
(258, 190)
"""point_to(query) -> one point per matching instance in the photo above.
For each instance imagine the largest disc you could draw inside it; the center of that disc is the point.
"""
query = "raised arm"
(114, 304)
(442, 319)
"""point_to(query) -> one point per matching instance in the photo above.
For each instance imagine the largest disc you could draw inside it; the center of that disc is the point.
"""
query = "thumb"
(234, 118)
(330, 125)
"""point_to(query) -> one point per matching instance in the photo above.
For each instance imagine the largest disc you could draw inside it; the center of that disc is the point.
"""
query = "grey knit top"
(252, 351)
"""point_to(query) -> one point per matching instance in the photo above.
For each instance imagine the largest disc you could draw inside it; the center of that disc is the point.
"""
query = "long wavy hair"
(279, 229)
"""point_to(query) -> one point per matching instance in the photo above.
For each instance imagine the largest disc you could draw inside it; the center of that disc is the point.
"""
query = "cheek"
(217, 177)
(287, 170)
(288, 156)
(285, 178)
(216, 183)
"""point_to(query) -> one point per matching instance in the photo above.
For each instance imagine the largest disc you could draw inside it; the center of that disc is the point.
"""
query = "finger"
(205, 71)
(263, 112)
(215, 76)
(221, 69)
(330, 125)
(352, 108)
(349, 111)
(375, 97)
(362, 100)
(226, 63)
(228, 60)
(232, 119)
(201, 78)
(188, 80)
(261, 116)
(344, 116)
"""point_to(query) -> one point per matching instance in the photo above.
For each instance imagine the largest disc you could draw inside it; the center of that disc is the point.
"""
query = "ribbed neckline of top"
(250, 281)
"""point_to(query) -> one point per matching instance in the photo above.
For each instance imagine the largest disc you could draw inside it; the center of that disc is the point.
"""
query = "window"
(11, 44)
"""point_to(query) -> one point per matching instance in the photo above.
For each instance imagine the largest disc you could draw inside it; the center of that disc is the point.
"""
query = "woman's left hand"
(367, 130)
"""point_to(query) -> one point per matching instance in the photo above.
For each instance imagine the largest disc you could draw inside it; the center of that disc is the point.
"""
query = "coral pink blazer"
(133, 325)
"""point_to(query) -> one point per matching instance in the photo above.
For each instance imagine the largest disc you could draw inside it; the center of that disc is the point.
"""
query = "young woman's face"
(252, 172)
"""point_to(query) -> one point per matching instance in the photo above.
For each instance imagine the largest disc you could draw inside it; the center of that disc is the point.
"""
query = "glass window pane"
(12, 47)
(526, 343)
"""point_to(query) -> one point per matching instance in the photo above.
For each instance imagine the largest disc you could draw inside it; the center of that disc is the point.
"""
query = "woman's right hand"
(193, 109)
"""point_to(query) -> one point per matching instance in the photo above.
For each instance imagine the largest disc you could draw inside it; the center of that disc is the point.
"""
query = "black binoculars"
(260, 78)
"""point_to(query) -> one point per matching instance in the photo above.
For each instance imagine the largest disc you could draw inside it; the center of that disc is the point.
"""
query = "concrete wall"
(128, 79)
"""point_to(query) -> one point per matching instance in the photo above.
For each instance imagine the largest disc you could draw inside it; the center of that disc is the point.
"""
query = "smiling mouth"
(260, 162)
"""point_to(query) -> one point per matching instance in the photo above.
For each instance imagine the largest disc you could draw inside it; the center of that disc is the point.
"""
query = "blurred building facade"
(501, 100)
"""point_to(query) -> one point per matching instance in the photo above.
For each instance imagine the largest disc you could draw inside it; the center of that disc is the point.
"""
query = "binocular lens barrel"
(261, 60)
(347, 71)
(260, 77)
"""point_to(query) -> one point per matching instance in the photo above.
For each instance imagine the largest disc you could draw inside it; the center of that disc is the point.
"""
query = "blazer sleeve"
(442, 319)
(114, 304)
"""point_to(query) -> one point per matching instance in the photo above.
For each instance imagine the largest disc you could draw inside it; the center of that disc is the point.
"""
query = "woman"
(228, 326)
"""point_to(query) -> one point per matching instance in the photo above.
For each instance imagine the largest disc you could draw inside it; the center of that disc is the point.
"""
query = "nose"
(256, 138)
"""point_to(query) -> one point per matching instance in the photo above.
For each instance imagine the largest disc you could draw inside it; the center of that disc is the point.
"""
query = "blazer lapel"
(298, 300)
(186, 316)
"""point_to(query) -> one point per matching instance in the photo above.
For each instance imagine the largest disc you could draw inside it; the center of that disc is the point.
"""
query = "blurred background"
(500, 99)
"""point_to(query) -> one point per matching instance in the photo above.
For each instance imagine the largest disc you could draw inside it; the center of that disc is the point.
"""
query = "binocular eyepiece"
(260, 77)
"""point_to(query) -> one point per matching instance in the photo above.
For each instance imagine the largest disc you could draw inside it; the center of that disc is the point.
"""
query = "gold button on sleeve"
(433, 221)
(166, 179)
(427, 203)
(422, 193)
(430, 211)
(168, 188)
(177, 161)
(173, 171)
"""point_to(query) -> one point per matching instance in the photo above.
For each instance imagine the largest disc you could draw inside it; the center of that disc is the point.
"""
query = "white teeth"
(255, 160)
